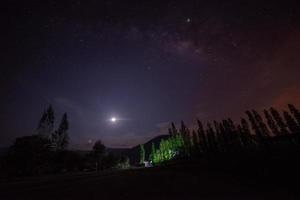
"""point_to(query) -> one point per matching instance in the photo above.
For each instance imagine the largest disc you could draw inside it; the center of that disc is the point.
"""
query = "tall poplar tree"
(280, 123)
(46, 123)
(211, 138)
(195, 141)
(173, 129)
(291, 123)
(271, 123)
(295, 112)
(254, 125)
(201, 136)
(152, 154)
(98, 153)
(262, 126)
(247, 133)
(142, 154)
(60, 137)
(185, 132)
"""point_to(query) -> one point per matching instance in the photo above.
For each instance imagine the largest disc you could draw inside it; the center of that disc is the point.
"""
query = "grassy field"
(172, 182)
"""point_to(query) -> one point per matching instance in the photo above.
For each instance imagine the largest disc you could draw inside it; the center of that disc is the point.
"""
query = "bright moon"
(113, 119)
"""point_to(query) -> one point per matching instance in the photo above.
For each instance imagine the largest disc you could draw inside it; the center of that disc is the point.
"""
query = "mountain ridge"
(133, 153)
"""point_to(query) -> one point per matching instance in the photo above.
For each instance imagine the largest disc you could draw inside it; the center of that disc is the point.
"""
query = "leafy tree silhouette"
(170, 132)
(271, 123)
(60, 137)
(46, 123)
(202, 137)
(227, 135)
(235, 135)
(29, 155)
(142, 153)
(223, 138)
(185, 132)
(195, 144)
(262, 126)
(280, 123)
(247, 138)
(295, 112)
(174, 130)
(242, 136)
(219, 137)
(230, 135)
(153, 152)
(194, 139)
(291, 123)
(98, 152)
(211, 138)
(254, 125)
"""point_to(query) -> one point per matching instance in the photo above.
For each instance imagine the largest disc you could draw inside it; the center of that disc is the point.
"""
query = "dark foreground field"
(175, 182)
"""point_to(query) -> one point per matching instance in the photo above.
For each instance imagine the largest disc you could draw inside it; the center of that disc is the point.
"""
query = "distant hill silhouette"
(133, 153)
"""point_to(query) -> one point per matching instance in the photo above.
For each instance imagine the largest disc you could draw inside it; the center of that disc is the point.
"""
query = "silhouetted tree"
(195, 138)
(185, 132)
(224, 138)
(195, 142)
(295, 112)
(60, 137)
(246, 134)
(262, 126)
(211, 138)
(245, 127)
(235, 134)
(271, 123)
(46, 123)
(170, 132)
(242, 136)
(29, 155)
(173, 128)
(254, 125)
(98, 152)
(202, 137)
(227, 134)
(153, 151)
(142, 153)
(219, 137)
(231, 135)
(291, 123)
(280, 123)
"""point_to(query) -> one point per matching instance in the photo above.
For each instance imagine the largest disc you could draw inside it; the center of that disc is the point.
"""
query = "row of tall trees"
(257, 133)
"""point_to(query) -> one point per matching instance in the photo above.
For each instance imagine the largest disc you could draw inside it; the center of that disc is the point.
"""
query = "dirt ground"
(181, 182)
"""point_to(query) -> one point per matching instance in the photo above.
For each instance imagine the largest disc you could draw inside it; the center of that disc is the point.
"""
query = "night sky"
(145, 62)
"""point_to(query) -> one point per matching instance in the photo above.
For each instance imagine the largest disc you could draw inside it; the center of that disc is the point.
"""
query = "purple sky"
(146, 62)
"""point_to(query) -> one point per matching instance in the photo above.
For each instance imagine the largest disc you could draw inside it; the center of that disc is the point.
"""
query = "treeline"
(47, 151)
(274, 131)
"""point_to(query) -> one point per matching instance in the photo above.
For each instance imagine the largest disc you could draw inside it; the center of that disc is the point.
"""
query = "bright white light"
(113, 119)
